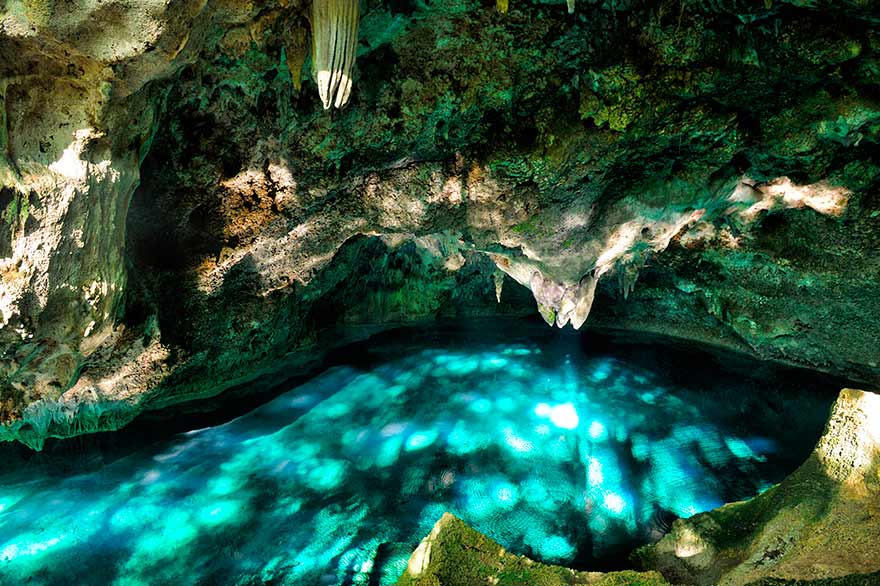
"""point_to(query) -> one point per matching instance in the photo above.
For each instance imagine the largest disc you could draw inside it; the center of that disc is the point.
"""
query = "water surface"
(556, 447)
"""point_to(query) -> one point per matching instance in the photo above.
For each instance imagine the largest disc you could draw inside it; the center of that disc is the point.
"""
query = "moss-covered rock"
(454, 554)
(851, 580)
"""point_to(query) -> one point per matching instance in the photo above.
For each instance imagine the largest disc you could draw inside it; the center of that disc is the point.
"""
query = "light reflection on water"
(558, 455)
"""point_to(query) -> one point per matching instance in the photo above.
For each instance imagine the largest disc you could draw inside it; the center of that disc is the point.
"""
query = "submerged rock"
(822, 522)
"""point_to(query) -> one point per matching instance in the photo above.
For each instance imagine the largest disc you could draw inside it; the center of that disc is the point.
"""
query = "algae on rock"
(454, 554)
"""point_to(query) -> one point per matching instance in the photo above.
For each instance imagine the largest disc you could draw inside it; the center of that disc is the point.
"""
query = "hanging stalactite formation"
(334, 46)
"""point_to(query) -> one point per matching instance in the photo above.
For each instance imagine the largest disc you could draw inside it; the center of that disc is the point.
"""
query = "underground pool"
(571, 449)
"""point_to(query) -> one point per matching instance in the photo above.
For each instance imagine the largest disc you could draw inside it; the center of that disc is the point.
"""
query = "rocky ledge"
(454, 554)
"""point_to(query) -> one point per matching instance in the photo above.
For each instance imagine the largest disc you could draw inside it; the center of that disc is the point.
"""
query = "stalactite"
(570, 6)
(498, 277)
(585, 294)
(334, 46)
(627, 274)
(296, 49)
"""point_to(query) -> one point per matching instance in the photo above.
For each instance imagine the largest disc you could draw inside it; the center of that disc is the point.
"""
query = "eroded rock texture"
(454, 554)
(183, 215)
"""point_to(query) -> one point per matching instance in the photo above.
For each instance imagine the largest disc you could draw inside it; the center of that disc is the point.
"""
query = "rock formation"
(183, 217)
(454, 554)
(334, 36)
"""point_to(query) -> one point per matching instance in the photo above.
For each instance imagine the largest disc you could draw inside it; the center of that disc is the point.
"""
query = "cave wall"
(184, 216)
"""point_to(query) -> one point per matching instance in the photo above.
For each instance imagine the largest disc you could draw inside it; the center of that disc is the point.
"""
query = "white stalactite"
(334, 47)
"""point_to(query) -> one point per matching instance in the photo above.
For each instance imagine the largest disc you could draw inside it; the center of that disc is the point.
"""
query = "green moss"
(810, 491)
(530, 228)
(23, 210)
(10, 214)
(39, 12)
(548, 313)
(518, 168)
(631, 578)
(852, 580)
(617, 98)
(461, 556)
(801, 500)
(17, 211)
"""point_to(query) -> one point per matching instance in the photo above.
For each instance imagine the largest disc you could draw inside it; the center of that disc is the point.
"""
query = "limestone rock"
(454, 554)
(184, 217)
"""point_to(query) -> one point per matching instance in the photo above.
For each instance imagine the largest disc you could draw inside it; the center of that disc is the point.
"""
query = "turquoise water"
(568, 454)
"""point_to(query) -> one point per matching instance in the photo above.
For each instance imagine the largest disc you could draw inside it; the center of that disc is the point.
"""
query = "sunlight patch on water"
(547, 454)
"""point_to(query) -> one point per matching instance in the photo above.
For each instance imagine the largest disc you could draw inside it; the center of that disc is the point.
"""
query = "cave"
(360, 292)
